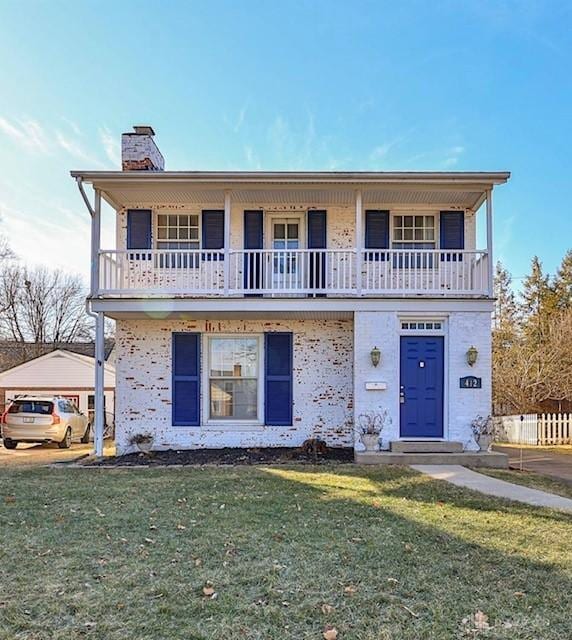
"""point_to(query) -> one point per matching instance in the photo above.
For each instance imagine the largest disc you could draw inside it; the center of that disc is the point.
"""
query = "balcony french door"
(285, 241)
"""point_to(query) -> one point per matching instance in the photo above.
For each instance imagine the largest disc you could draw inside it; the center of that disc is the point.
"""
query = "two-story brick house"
(251, 307)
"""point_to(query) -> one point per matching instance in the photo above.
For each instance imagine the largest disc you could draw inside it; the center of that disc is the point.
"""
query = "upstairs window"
(414, 232)
(178, 231)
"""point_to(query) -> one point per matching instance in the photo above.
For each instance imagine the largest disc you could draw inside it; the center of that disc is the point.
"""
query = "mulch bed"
(227, 456)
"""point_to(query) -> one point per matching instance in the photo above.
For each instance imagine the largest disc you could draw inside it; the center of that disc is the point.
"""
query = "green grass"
(378, 553)
(533, 480)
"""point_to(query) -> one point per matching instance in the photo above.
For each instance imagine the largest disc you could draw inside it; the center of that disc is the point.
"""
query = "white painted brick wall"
(463, 329)
(137, 147)
(323, 402)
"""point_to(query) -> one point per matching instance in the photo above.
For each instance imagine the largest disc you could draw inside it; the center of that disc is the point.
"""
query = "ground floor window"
(233, 378)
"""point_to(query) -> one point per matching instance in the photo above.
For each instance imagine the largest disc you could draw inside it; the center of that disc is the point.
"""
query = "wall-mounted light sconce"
(375, 355)
(472, 355)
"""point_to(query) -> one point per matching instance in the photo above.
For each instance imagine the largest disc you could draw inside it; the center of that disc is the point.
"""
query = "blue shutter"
(139, 235)
(452, 234)
(253, 262)
(213, 232)
(376, 234)
(317, 222)
(278, 359)
(186, 379)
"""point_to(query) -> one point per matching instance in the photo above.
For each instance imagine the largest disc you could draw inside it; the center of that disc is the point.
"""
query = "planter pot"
(370, 441)
(484, 442)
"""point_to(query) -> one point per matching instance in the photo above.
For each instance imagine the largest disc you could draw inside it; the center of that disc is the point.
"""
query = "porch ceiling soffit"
(152, 194)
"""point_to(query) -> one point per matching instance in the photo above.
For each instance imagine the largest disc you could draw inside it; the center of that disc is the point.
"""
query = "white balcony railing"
(334, 272)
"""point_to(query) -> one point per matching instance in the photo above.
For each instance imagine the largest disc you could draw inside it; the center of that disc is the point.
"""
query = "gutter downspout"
(99, 390)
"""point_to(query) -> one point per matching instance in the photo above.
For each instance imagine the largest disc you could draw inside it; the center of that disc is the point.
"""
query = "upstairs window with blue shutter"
(278, 378)
(376, 234)
(186, 379)
(213, 234)
(139, 232)
(452, 234)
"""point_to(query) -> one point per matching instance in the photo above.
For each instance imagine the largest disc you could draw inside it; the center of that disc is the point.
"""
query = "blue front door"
(421, 387)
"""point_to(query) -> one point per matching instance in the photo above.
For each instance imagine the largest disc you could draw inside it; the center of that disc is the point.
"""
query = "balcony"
(288, 273)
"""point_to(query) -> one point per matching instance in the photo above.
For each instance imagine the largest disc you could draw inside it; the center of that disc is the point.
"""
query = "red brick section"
(145, 164)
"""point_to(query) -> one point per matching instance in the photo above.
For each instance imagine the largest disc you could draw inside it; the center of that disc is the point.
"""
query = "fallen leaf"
(149, 541)
(208, 590)
(330, 633)
(481, 621)
(350, 589)
(519, 594)
(198, 562)
(327, 608)
(9, 499)
(181, 527)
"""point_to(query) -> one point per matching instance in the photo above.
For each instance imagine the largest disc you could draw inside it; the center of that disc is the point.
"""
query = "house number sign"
(470, 382)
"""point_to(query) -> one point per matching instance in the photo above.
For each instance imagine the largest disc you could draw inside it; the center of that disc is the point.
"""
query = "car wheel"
(85, 437)
(10, 444)
(67, 441)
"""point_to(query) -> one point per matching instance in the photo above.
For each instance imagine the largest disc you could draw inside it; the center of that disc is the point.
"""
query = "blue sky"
(290, 85)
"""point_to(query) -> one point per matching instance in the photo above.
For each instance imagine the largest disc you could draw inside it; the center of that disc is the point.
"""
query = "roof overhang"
(123, 189)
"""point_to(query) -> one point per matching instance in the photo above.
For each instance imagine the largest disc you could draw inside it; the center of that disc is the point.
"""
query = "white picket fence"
(535, 429)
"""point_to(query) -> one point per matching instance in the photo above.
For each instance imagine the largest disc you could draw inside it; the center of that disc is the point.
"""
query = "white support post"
(490, 264)
(95, 245)
(99, 383)
(226, 269)
(359, 240)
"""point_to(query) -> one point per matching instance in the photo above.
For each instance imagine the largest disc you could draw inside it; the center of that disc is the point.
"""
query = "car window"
(40, 407)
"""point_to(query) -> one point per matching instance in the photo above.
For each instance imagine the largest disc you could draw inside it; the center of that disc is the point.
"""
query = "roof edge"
(365, 177)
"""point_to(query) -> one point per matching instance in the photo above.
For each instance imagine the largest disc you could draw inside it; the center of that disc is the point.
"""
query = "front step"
(425, 446)
(490, 459)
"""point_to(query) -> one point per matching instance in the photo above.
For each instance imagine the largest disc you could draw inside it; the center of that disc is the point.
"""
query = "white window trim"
(170, 212)
(299, 216)
(436, 216)
(230, 424)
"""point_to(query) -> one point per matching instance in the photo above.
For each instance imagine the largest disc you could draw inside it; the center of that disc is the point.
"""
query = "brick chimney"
(139, 151)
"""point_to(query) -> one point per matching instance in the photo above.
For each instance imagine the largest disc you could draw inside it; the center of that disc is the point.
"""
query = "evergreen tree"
(563, 283)
(506, 308)
(538, 302)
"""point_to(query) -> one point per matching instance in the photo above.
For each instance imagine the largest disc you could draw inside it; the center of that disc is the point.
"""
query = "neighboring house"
(249, 305)
(59, 372)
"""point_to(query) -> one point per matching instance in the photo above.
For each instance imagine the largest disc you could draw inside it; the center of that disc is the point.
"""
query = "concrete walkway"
(463, 477)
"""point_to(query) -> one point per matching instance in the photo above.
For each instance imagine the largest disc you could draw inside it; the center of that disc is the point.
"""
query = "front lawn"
(274, 553)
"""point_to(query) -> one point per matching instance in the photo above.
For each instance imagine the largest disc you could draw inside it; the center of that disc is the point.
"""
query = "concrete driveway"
(42, 454)
(548, 461)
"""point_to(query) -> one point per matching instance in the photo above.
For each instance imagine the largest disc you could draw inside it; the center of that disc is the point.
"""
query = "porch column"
(99, 384)
(226, 268)
(490, 265)
(95, 244)
(359, 240)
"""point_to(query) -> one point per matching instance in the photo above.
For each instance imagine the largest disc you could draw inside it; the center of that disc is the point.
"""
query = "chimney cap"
(143, 129)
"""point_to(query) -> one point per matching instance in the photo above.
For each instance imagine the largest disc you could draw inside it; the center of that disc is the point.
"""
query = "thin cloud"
(74, 148)
(27, 133)
(453, 156)
(235, 124)
(111, 145)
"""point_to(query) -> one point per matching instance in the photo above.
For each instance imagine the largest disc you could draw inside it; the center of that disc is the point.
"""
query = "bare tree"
(42, 305)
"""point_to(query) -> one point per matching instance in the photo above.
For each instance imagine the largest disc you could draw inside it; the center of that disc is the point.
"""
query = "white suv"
(43, 419)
